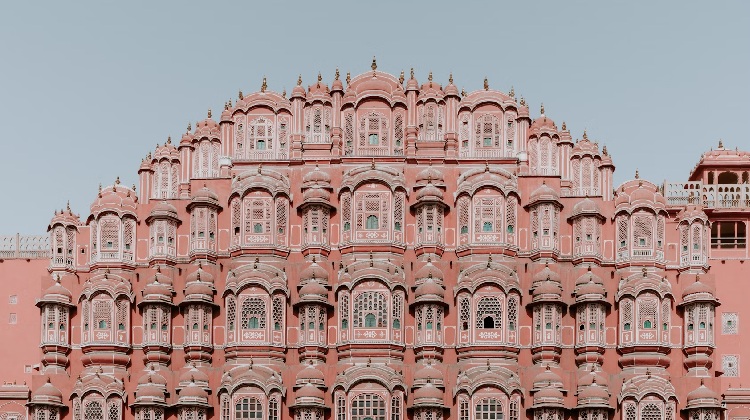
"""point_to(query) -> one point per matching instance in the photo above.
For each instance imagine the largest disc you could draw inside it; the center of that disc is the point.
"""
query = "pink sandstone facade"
(378, 249)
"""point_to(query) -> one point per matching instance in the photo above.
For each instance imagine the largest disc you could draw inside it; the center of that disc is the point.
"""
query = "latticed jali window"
(730, 365)
(206, 159)
(489, 312)
(368, 407)
(373, 135)
(730, 323)
(431, 123)
(317, 124)
(370, 310)
(315, 225)
(165, 179)
(253, 313)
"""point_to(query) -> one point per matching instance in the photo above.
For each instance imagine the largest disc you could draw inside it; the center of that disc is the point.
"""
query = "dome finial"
(450, 78)
(263, 85)
(585, 135)
(604, 150)
(348, 78)
(512, 92)
(337, 74)
(190, 126)
(486, 83)
(463, 92)
(68, 206)
(429, 77)
(117, 181)
(299, 80)
(320, 77)
(541, 108)
(523, 101)
(721, 144)
(564, 126)
(283, 93)
(411, 73)
(374, 64)
(209, 113)
(240, 96)
(637, 175)
(401, 78)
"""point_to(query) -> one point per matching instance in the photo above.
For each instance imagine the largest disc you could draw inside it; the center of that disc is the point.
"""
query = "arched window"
(93, 410)
(488, 409)
(368, 407)
(372, 222)
(489, 312)
(253, 313)
(370, 310)
(248, 408)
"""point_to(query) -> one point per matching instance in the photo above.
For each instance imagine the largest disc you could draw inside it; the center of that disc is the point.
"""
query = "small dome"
(200, 274)
(586, 206)
(595, 391)
(428, 392)
(426, 373)
(591, 378)
(164, 209)
(157, 289)
(546, 274)
(430, 174)
(429, 288)
(697, 287)
(316, 194)
(205, 196)
(313, 287)
(58, 292)
(702, 393)
(116, 198)
(543, 193)
(543, 124)
(310, 391)
(47, 393)
(314, 271)
(547, 378)
(193, 374)
(149, 392)
(428, 271)
(310, 374)
(548, 393)
(152, 376)
(317, 176)
(429, 193)
(193, 391)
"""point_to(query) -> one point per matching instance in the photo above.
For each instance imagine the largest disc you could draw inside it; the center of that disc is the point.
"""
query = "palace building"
(381, 249)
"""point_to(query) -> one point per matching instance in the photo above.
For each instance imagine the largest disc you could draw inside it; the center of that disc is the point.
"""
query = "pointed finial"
(189, 127)
(411, 73)
(117, 181)
(230, 102)
(429, 77)
(240, 96)
(564, 126)
(336, 76)
(542, 108)
(463, 92)
(209, 113)
(486, 83)
(348, 78)
(299, 80)
(450, 78)
(100, 189)
(604, 150)
(585, 136)
(320, 77)
(512, 93)
(721, 144)
(283, 93)
(68, 206)
(374, 64)
(637, 176)
(263, 85)
(523, 101)
(401, 78)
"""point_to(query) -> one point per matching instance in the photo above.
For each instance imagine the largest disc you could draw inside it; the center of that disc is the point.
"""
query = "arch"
(727, 177)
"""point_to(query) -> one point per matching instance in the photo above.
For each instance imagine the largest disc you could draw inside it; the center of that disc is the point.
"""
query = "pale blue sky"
(88, 88)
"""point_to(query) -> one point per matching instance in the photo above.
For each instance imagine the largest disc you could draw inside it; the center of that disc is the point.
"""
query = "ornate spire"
(240, 95)
(604, 150)
(348, 78)
(283, 93)
(450, 78)
(541, 108)
(637, 176)
(512, 92)
(721, 144)
(299, 80)
(169, 139)
(401, 78)
(585, 136)
(117, 181)
(486, 83)
(190, 126)
(429, 77)
(208, 114)
(320, 78)
(411, 73)
(336, 76)
(463, 92)
(264, 85)
(523, 101)
(564, 126)
(374, 64)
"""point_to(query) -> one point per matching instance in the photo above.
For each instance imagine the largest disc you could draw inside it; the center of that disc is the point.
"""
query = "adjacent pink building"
(380, 249)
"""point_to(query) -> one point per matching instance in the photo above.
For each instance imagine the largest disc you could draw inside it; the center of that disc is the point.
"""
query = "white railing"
(582, 192)
(486, 153)
(24, 246)
(708, 195)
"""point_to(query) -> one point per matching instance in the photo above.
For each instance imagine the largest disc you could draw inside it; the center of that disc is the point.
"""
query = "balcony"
(717, 196)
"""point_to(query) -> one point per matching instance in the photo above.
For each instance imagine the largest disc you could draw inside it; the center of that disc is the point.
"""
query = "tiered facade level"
(379, 250)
